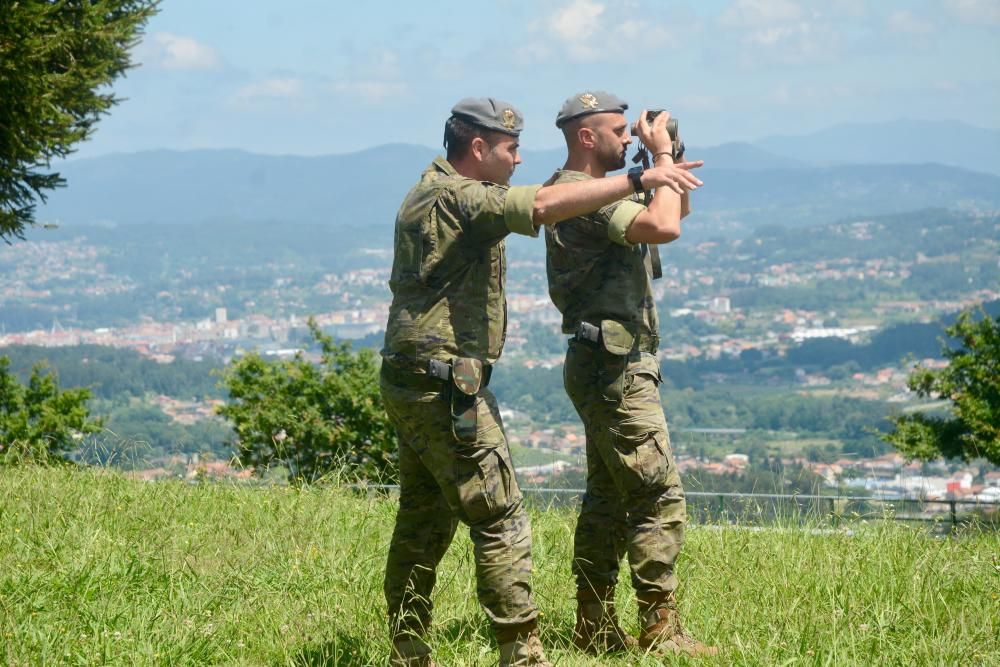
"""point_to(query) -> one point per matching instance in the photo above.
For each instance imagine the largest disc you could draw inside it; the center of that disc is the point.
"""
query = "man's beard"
(613, 161)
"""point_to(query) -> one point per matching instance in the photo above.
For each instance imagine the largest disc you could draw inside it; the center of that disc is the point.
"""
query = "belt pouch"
(617, 339)
(466, 379)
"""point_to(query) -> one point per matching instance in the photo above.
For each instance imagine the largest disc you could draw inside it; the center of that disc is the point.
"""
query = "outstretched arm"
(562, 201)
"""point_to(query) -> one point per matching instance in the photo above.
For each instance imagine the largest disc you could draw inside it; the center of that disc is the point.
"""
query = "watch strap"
(635, 177)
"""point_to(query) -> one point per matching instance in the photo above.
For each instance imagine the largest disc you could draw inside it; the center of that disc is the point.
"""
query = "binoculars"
(677, 148)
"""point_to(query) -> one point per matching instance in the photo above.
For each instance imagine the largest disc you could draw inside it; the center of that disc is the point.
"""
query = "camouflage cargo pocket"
(617, 340)
(642, 379)
(611, 377)
(485, 482)
(646, 460)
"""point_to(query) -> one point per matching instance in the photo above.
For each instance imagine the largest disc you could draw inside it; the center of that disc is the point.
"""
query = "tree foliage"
(56, 60)
(971, 381)
(38, 420)
(312, 418)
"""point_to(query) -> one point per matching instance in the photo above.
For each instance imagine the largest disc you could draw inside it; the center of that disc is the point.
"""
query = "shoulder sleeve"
(619, 216)
(488, 212)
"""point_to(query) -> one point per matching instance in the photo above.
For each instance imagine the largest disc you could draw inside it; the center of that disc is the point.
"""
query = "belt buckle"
(589, 332)
(439, 369)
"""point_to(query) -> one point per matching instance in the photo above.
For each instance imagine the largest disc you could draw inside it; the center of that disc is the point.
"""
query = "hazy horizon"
(529, 149)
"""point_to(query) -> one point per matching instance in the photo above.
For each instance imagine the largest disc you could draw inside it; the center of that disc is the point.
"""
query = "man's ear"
(587, 137)
(479, 148)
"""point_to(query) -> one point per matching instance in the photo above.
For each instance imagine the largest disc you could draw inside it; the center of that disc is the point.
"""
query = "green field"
(96, 568)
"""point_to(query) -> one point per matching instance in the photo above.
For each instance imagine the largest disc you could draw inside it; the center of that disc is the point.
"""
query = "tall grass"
(96, 568)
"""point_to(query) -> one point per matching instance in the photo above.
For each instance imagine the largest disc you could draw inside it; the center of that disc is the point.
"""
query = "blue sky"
(314, 76)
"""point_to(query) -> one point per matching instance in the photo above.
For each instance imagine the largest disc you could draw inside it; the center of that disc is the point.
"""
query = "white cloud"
(976, 11)
(578, 20)
(532, 52)
(650, 35)
(385, 64)
(767, 31)
(373, 78)
(906, 22)
(172, 51)
(849, 8)
(307, 92)
(280, 89)
(586, 31)
(371, 91)
(760, 14)
(575, 26)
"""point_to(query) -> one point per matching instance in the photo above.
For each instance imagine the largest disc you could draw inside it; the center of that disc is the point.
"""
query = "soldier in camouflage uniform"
(599, 267)
(447, 325)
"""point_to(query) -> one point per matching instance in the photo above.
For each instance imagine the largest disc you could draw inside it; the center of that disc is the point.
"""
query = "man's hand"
(677, 177)
(654, 137)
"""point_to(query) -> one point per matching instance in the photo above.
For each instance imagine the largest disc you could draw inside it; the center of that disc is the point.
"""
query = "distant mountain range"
(843, 171)
(945, 142)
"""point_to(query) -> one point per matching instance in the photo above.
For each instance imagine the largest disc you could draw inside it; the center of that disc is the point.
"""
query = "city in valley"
(745, 323)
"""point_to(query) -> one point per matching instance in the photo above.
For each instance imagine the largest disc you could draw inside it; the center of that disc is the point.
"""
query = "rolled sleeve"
(518, 209)
(622, 216)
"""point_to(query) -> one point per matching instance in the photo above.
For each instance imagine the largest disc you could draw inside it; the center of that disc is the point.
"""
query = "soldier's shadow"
(340, 650)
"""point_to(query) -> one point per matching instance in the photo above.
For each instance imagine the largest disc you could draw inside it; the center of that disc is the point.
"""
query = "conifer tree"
(57, 59)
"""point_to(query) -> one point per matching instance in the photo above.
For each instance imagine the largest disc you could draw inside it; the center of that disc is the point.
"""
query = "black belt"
(437, 375)
(591, 333)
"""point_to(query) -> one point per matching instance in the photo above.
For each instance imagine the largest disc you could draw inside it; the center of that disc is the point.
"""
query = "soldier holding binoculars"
(600, 267)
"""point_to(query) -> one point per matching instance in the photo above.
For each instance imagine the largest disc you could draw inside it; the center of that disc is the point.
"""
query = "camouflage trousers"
(634, 502)
(442, 481)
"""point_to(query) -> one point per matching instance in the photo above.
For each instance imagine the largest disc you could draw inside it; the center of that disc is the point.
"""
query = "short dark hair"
(458, 136)
(569, 128)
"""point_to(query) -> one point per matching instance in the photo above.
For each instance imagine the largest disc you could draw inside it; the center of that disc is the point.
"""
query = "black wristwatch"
(635, 177)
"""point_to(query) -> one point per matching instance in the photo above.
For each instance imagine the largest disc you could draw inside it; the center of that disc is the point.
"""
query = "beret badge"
(508, 119)
(588, 101)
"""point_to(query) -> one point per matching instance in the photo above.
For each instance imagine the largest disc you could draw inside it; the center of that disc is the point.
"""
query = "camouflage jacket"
(594, 272)
(449, 267)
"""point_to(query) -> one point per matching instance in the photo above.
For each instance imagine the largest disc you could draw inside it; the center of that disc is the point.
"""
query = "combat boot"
(597, 630)
(662, 633)
(521, 647)
(410, 651)
(408, 646)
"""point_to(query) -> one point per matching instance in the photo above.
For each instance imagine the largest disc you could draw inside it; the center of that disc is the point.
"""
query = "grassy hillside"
(98, 569)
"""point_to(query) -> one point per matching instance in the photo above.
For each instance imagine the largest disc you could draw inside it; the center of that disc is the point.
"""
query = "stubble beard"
(614, 161)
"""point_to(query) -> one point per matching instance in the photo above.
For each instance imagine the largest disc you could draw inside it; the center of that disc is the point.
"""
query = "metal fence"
(832, 510)
(706, 506)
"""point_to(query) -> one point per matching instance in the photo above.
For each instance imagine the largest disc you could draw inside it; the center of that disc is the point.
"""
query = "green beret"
(586, 103)
(491, 114)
